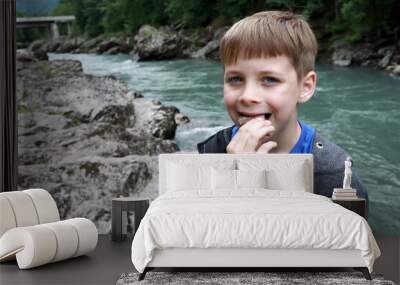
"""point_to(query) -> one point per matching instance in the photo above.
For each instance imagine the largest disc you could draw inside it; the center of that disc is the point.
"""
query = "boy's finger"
(266, 147)
(247, 140)
(254, 127)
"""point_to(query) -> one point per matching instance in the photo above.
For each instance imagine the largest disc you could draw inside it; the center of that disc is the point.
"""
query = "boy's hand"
(252, 137)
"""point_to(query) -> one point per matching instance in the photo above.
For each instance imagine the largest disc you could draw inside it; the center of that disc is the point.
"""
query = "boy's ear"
(308, 85)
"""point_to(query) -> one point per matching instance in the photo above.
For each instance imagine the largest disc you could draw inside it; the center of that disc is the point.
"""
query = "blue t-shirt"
(304, 143)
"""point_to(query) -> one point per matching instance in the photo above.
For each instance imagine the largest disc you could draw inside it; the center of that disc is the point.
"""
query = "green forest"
(354, 20)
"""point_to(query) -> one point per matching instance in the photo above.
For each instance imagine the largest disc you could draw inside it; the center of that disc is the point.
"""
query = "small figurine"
(347, 173)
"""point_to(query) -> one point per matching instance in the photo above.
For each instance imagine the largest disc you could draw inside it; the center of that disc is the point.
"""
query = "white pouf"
(31, 230)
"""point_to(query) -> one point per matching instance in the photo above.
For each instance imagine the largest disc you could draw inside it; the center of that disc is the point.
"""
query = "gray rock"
(53, 45)
(342, 62)
(59, 45)
(36, 45)
(26, 56)
(120, 48)
(361, 54)
(192, 41)
(384, 62)
(113, 46)
(40, 54)
(151, 43)
(89, 45)
(181, 119)
(387, 50)
(87, 139)
(342, 57)
(396, 70)
(113, 50)
(206, 51)
(106, 45)
(39, 49)
(159, 120)
(137, 94)
(69, 45)
(211, 49)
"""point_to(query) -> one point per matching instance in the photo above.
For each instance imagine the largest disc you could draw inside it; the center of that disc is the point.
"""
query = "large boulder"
(69, 45)
(365, 54)
(90, 45)
(345, 54)
(113, 46)
(211, 49)
(39, 49)
(192, 41)
(87, 139)
(25, 56)
(59, 45)
(395, 70)
(151, 43)
(36, 45)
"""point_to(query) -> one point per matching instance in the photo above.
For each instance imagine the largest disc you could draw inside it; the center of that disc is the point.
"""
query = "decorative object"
(119, 215)
(347, 173)
(346, 193)
(32, 233)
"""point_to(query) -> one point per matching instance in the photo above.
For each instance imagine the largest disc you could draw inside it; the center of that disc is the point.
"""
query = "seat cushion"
(40, 244)
(7, 220)
(26, 208)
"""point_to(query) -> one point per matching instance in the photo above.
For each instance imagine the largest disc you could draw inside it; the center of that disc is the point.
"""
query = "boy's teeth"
(244, 119)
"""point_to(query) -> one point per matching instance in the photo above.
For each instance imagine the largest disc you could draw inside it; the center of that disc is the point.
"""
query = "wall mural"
(98, 102)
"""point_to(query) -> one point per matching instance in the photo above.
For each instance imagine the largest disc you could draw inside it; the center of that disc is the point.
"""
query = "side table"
(357, 205)
(119, 215)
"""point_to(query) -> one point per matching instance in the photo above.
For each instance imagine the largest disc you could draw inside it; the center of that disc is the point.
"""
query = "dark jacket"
(328, 162)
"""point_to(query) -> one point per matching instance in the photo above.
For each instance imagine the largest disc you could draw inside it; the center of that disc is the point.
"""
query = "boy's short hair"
(269, 34)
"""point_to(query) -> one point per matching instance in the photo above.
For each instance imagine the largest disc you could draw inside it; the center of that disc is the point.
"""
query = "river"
(356, 108)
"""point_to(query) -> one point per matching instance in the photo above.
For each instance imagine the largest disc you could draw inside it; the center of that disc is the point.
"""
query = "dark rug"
(228, 278)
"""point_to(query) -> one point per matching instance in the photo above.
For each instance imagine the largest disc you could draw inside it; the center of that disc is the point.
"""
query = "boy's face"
(266, 88)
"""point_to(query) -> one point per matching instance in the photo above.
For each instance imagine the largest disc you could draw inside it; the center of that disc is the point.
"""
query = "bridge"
(51, 23)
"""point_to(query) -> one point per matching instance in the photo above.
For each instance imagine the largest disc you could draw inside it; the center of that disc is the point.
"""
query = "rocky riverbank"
(165, 42)
(149, 43)
(87, 139)
(381, 55)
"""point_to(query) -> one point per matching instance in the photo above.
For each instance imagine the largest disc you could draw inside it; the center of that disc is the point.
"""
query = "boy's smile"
(267, 89)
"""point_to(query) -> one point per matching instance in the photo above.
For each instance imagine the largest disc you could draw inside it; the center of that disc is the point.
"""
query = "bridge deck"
(45, 20)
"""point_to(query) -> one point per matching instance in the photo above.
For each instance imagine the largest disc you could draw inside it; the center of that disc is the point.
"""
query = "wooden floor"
(111, 259)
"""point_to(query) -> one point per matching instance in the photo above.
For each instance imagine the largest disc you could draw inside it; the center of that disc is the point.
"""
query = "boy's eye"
(234, 79)
(269, 80)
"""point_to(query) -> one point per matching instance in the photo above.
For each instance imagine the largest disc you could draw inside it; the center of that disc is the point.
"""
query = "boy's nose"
(249, 95)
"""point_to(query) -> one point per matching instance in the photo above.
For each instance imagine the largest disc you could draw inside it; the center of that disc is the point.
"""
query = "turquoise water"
(357, 108)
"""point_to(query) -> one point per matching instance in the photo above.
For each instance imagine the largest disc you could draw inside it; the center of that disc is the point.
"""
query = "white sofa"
(31, 231)
(198, 193)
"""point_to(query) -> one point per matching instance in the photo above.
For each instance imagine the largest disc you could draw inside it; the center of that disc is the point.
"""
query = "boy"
(268, 71)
